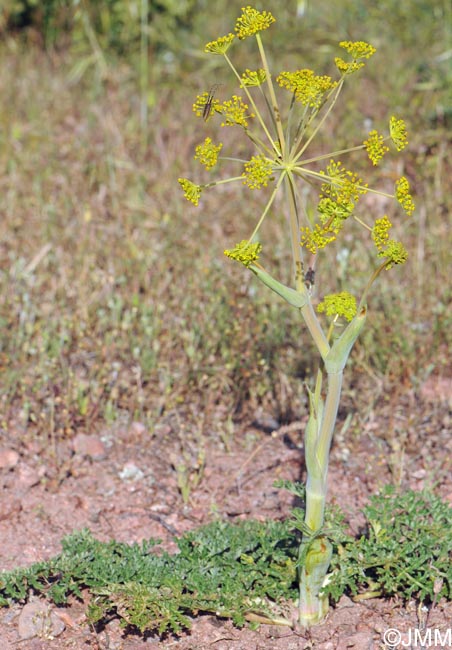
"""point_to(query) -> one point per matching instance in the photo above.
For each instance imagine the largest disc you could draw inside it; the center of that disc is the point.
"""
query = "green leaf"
(293, 297)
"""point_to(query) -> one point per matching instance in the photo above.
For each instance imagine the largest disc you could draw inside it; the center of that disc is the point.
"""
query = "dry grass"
(115, 298)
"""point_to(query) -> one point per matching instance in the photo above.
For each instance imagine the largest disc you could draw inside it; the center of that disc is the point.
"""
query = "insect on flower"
(208, 105)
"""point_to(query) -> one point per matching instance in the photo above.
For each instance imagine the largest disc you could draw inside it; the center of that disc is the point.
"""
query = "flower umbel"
(317, 238)
(192, 192)
(244, 252)
(347, 68)
(339, 304)
(343, 185)
(395, 253)
(309, 88)
(199, 107)
(333, 214)
(253, 77)
(252, 21)
(403, 195)
(258, 172)
(375, 147)
(220, 46)
(380, 232)
(207, 153)
(397, 130)
(358, 49)
(234, 112)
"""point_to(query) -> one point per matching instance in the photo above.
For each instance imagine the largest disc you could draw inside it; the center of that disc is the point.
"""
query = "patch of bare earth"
(122, 484)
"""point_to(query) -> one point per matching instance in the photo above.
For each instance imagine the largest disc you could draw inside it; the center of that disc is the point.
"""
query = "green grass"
(115, 298)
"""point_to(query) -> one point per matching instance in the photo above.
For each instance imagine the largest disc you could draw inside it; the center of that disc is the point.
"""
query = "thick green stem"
(329, 420)
(317, 451)
(315, 548)
(313, 606)
(315, 551)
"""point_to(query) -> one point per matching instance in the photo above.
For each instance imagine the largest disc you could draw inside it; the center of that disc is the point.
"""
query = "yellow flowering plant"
(282, 160)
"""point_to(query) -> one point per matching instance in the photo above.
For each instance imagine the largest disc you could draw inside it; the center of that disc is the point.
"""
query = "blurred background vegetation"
(116, 302)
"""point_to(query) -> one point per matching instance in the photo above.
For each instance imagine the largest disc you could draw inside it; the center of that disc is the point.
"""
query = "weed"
(247, 571)
(221, 568)
(284, 159)
(189, 472)
(407, 549)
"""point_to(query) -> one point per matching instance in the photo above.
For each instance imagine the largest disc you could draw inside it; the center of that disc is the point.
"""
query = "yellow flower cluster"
(347, 68)
(253, 77)
(234, 112)
(403, 195)
(337, 202)
(220, 46)
(252, 21)
(199, 107)
(316, 239)
(380, 232)
(393, 251)
(244, 252)
(192, 192)
(309, 88)
(333, 214)
(375, 147)
(207, 153)
(343, 185)
(358, 50)
(397, 131)
(339, 304)
(258, 172)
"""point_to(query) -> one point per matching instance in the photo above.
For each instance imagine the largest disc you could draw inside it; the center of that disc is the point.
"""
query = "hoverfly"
(209, 101)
